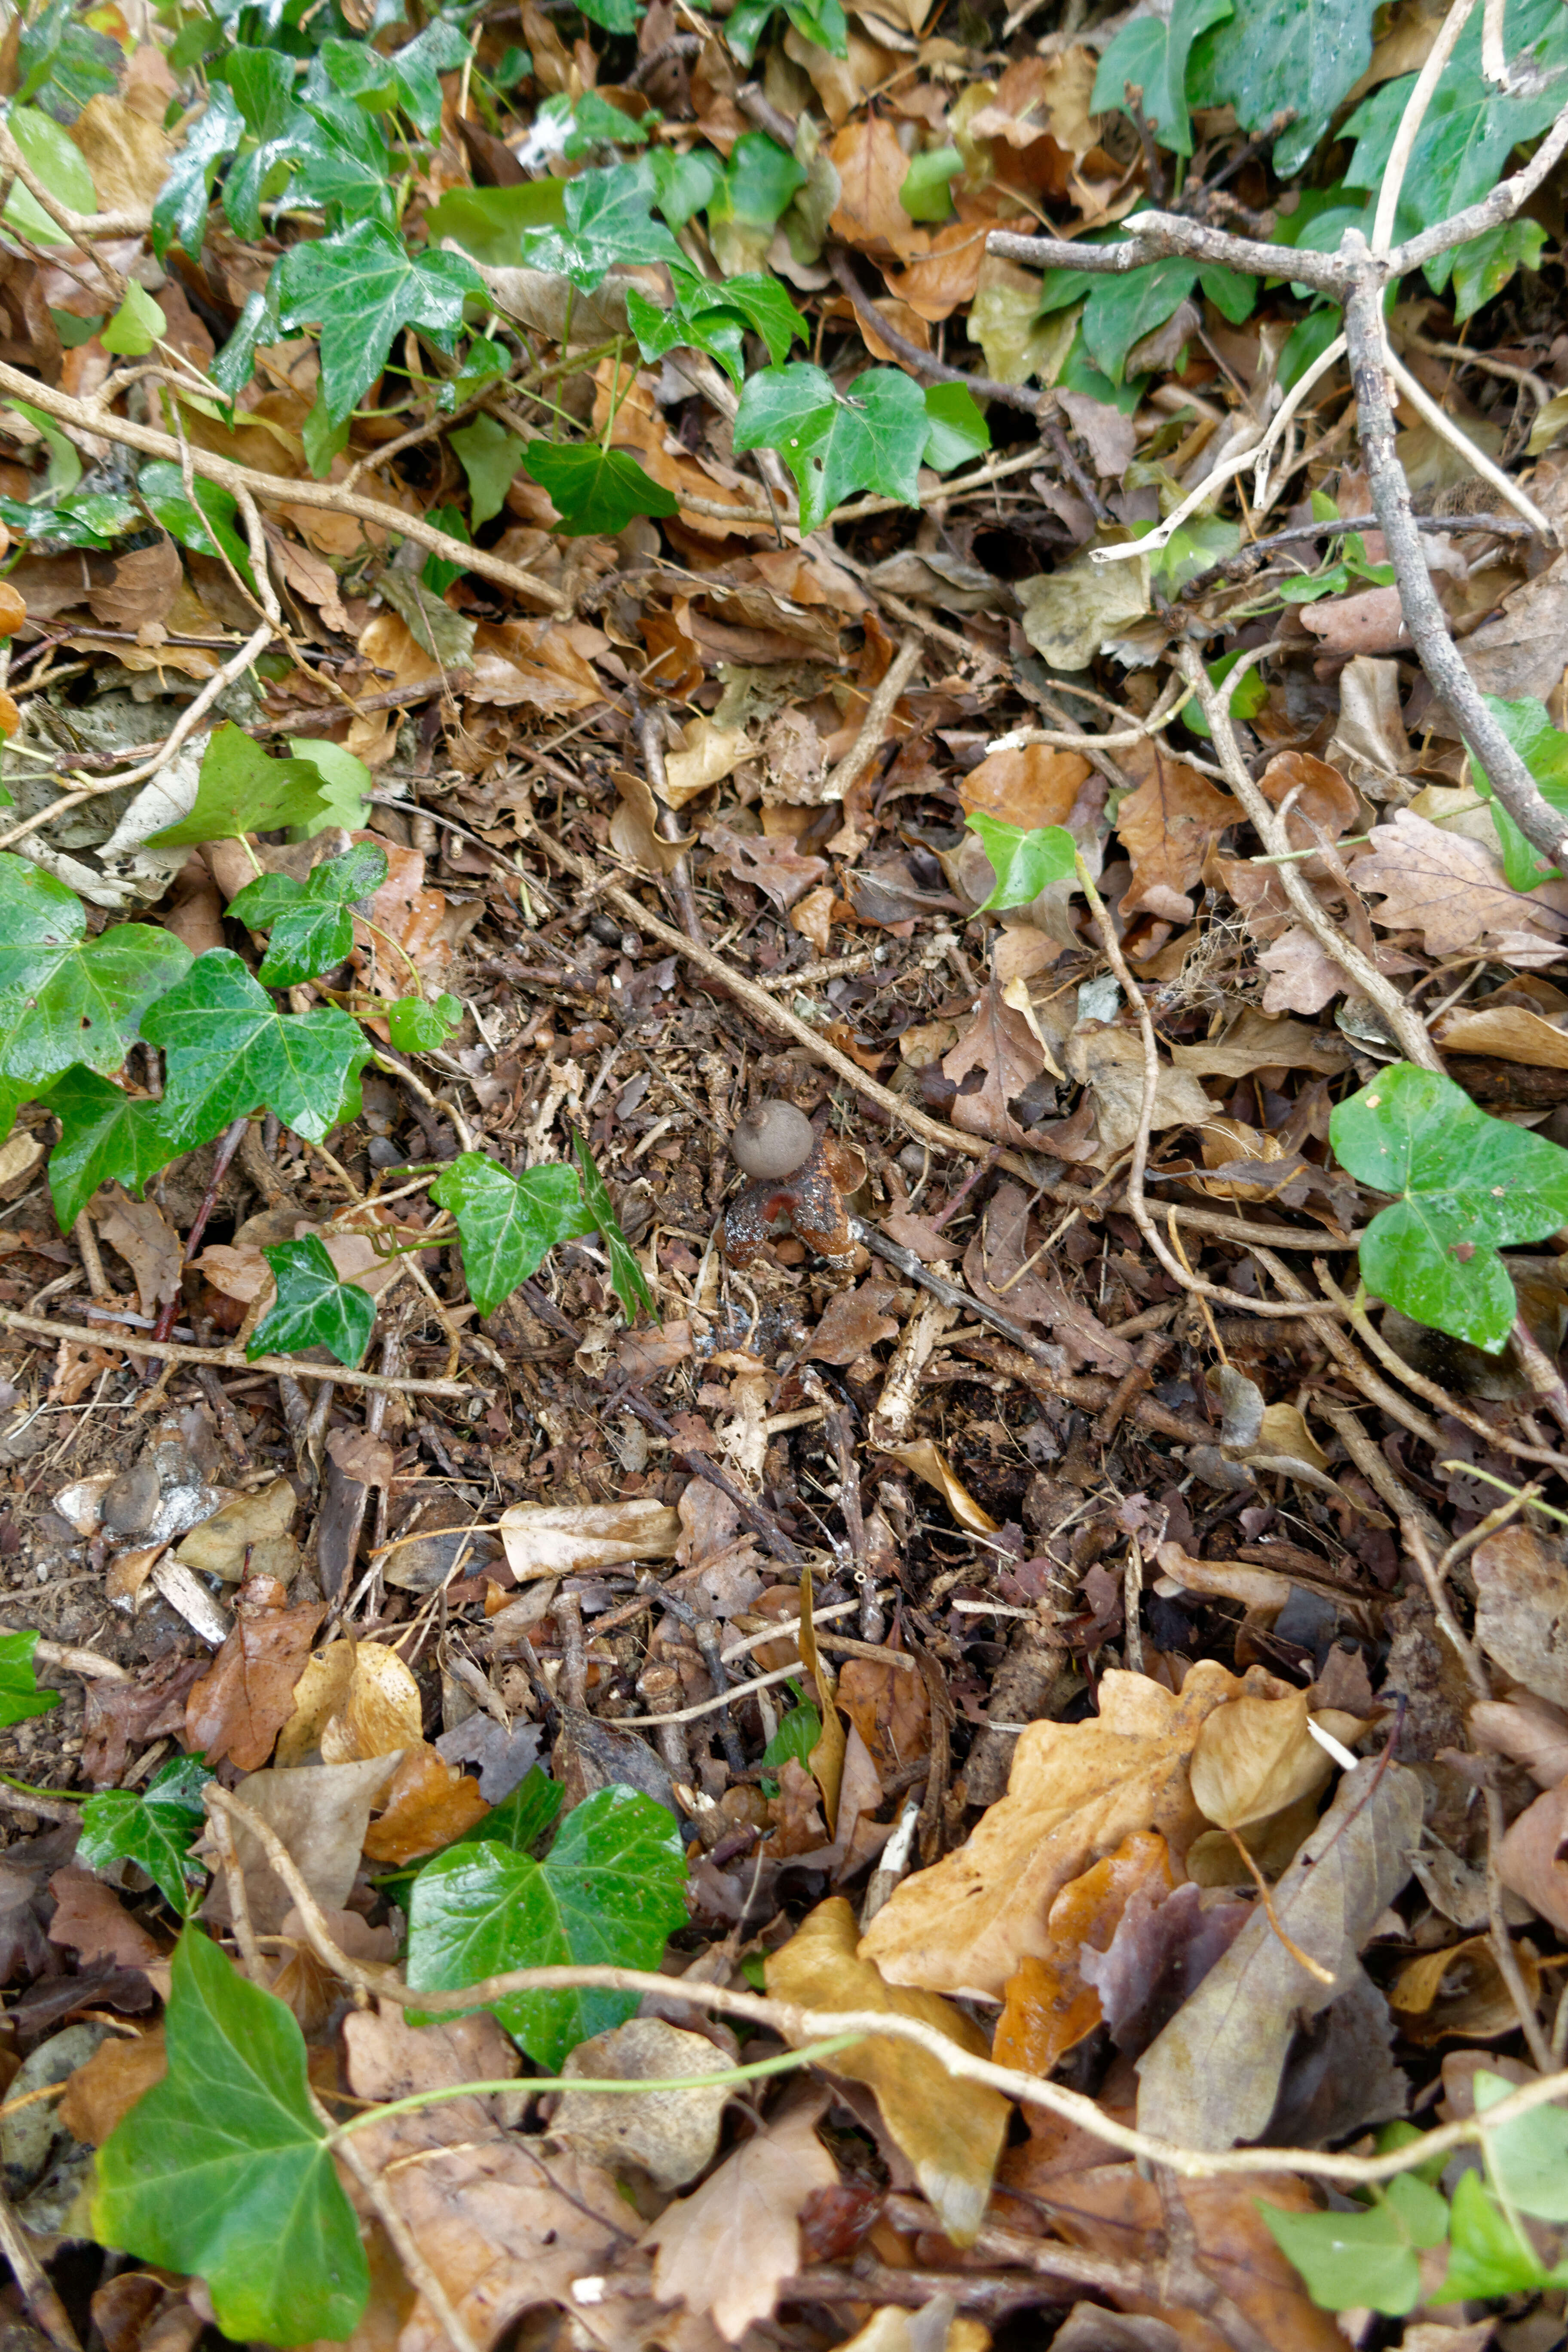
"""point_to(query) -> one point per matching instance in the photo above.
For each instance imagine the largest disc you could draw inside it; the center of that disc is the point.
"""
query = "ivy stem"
(809, 2055)
(376, 932)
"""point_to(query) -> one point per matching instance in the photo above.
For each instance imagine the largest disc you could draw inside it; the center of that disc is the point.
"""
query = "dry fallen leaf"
(1453, 892)
(571, 1538)
(1254, 1757)
(1075, 1791)
(1000, 1055)
(145, 1240)
(1530, 1729)
(1050, 2007)
(243, 1701)
(1212, 2077)
(320, 1812)
(1032, 785)
(727, 2250)
(928, 1461)
(1521, 1609)
(951, 2131)
(501, 2223)
(429, 1804)
(672, 2136)
(256, 1524)
(1532, 1860)
(1166, 827)
(103, 2090)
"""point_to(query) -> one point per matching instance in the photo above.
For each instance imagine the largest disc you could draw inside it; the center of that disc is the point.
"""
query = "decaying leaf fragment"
(1076, 1790)
(728, 2249)
(1212, 2077)
(569, 1538)
(669, 2135)
(951, 2130)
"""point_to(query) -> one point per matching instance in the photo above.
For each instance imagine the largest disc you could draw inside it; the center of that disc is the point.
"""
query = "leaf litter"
(570, 578)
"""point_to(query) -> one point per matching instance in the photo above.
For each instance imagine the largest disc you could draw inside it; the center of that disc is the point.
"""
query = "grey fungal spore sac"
(799, 1181)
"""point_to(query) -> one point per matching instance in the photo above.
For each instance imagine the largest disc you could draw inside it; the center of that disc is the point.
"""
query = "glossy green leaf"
(1151, 53)
(1024, 863)
(310, 922)
(1305, 56)
(796, 1735)
(59, 163)
(1470, 125)
(491, 456)
(93, 518)
(821, 22)
(242, 790)
(1247, 697)
(927, 190)
(607, 219)
(598, 122)
(107, 1137)
(152, 1828)
(1483, 266)
(615, 16)
(346, 783)
(361, 287)
(1190, 549)
(417, 1025)
(235, 363)
(1487, 2255)
(1466, 1183)
(521, 1820)
(492, 223)
(65, 998)
(222, 2170)
(593, 489)
(180, 212)
(1120, 311)
(958, 430)
(1528, 2159)
(342, 162)
(609, 1892)
(231, 1051)
(136, 326)
(408, 78)
(1306, 341)
(712, 318)
(871, 438)
(313, 1308)
(1544, 751)
(20, 1694)
(508, 1223)
(627, 1279)
(209, 526)
(682, 184)
(1371, 2259)
(759, 181)
(62, 61)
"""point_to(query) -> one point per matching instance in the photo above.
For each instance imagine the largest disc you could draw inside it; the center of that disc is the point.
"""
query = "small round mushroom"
(773, 1139)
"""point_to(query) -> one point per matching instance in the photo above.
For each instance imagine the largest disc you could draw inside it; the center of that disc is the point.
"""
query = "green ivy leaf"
(714, 319)
(871, 438)
(208, 526)
(927, 190)
(1120, 311)
(342, 162)
(313, 1308)
(222, 2170)
(63, 61)
(107, 1137)
(346, 783)
(180, 212)
(682, 184)
(1371, 2259)
(65, 998)
(1487, 2255)
(796, 1735)
(615, 16)
(821, 22)
(93, 518)
(1467, 1184)
(492, 222)
(508, 1223)
(231, 1051)
(1307, 55)
(757, 185)
(1024, 864)
(625, 1275)
(362, 286)
(59, 163)
(608, 1892)
(241, 791)
(598, 122)
(491, 456)
(521, 1820)
(1545, 753)
(1528, 2157)
(417, 1025)
(958, 430)
(607, 219)
(312, 922)
(152, 1828)
(1469, 127)
(408, 78)
(234, 364)
(135, 326)
(1483, 266)
(20, 1694)
(1247, 697)
(1152, 52)
(593, 490)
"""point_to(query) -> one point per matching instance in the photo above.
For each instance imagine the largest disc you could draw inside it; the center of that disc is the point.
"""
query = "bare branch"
(1156, 237)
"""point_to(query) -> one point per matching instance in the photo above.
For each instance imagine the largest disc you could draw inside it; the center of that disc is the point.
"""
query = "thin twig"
(231, 1359)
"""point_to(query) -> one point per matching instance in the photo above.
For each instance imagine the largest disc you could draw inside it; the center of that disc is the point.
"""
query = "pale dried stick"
(1433, 1394)
(232, 1358)
(1443, 424)
(1410, 121)
(878, 710)
(1404, 1025)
